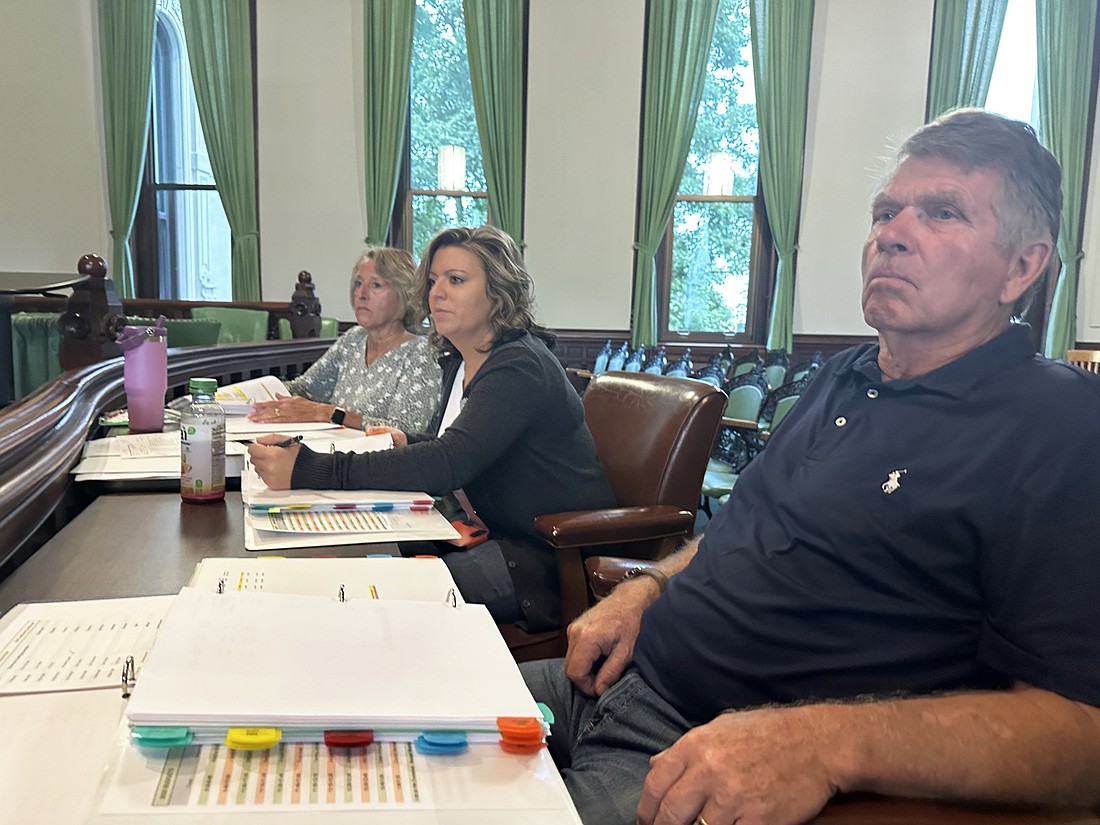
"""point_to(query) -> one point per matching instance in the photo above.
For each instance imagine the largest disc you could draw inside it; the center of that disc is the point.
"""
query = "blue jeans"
(602, 745)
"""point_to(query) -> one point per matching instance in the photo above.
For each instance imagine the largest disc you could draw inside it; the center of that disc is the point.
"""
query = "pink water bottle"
(145, 375)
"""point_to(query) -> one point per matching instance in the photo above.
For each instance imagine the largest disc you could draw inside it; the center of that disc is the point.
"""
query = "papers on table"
(237, 399)
(306, 664)
(62, 646)
(145, 456)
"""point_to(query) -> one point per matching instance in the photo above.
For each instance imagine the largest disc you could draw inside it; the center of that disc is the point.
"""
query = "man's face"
(931, 266)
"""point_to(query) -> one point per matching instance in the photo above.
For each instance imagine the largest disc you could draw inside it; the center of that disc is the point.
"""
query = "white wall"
(867, 91)
(866, 94)
(53, 202)
(583, 91)
(310, 146)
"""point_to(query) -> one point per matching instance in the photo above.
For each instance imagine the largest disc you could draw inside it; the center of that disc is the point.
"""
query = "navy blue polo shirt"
(899, 537)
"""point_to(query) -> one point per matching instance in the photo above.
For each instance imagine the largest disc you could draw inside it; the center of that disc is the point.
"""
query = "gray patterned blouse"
(400, 389)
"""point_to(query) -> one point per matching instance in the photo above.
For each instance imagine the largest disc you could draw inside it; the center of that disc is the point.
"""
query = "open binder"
(311, 667)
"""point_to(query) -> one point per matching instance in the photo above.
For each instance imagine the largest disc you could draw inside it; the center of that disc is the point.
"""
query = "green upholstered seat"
(238, 324)
(330, 328)
(185, 332)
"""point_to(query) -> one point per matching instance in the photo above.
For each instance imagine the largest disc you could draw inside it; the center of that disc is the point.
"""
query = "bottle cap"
(203, 385)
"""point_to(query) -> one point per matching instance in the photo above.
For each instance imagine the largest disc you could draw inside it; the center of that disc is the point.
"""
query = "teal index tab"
(547, 714)
(160, 736)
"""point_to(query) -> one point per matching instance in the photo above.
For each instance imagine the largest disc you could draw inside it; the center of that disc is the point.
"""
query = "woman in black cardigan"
(509, 433)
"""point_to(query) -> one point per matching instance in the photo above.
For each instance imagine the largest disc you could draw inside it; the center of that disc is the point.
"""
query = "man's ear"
(1028, 265)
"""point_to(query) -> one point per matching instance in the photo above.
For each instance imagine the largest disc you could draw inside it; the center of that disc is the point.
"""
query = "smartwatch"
(338, 415)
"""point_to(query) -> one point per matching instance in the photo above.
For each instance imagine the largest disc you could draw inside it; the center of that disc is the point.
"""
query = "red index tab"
(348, 738)
(520, 734)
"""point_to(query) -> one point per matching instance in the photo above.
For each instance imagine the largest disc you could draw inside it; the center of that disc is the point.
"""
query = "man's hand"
(274, 465)
(291, 409)
(607, 630)
(751, 767)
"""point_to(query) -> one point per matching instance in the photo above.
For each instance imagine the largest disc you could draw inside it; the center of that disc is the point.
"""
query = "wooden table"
(148, 544)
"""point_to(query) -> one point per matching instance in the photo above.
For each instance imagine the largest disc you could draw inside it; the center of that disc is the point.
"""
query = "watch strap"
(651, 572)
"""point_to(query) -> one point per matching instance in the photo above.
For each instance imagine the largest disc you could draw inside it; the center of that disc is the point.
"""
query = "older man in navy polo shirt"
(903, 593)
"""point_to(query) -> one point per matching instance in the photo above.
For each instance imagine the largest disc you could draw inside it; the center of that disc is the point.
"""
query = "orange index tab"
(252, 739)
(520, 734)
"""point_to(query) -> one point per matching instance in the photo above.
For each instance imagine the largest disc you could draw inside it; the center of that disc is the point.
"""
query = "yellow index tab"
(252, 739)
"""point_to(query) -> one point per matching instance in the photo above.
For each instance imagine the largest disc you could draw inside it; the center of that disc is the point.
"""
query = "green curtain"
(965, 36)
(494, 43)
(219, 46)
(387, 51)
(126, 71)
(782, 31)
(1065, 30)
(678, 35)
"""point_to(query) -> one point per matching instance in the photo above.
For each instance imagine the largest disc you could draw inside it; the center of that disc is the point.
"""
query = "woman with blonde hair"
(379, 372)
(509, 434)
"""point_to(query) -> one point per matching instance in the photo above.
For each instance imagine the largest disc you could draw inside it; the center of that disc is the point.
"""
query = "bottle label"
(202, 458)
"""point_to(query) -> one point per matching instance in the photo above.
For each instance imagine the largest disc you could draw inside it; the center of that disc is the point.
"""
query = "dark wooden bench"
(41, 436)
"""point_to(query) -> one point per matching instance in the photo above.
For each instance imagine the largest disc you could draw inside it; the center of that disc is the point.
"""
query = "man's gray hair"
(1029, 204)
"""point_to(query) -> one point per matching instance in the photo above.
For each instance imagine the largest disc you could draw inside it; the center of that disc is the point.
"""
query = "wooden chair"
(653, 435)
(1086, 359)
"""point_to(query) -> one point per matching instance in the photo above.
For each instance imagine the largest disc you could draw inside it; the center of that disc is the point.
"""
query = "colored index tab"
(252, 739)
(348, 738)
(520, 734)
(441, 742)
(160, 736)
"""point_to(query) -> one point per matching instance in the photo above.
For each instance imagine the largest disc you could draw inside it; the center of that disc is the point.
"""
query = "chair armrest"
(604, 572)
(614, 525)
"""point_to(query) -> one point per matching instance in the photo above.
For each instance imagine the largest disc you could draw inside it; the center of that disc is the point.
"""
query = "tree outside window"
(707, 284)
(446, 171)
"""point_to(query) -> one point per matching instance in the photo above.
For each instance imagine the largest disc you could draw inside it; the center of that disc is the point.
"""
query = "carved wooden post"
(305, 308)
(92, 319)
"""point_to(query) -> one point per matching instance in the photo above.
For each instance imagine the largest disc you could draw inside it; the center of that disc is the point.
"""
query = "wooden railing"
(41, 436)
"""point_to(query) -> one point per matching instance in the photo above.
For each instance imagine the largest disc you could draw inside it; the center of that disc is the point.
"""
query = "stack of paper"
(280, 519)
(309, 664)
(145, 456)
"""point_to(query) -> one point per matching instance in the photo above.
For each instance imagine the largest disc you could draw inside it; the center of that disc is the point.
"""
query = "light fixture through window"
(452, 168)
(718, 174)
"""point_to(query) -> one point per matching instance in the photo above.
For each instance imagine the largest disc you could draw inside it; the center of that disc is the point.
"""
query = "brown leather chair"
(653, 435)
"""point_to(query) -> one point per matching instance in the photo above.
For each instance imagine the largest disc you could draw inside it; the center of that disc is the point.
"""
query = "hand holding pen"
(273, 457)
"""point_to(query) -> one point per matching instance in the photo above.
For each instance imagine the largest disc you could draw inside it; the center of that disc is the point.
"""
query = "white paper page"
(264, 388)
(391, 577)
(255, 493)
(135, 446)
(256, 658)
(347, 440)
(434, 527)
(76, 645)
(239, 428)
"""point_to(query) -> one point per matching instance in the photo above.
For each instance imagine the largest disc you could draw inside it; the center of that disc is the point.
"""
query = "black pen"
(288, 442)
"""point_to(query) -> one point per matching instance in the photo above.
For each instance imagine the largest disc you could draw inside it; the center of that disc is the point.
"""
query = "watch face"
(338, 415)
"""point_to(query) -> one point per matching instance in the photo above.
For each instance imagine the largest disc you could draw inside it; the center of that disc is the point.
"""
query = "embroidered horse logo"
(893, 482)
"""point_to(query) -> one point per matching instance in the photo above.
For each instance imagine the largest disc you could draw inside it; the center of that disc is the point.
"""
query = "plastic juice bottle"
(202, 444)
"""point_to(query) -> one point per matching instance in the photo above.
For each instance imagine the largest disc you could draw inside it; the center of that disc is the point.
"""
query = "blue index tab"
(160, 736)
(443, 742)
(252, 739)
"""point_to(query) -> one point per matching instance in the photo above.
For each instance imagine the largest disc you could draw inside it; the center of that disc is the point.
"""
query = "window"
(1012, 87)
(708, 288)
(446, 176)
(181, 235)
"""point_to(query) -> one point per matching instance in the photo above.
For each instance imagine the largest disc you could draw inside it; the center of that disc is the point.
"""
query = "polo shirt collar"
(956, 378)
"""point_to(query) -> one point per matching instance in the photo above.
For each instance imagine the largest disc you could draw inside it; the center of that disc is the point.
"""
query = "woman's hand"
(290, 409)
(399, 437)
(274, 465)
